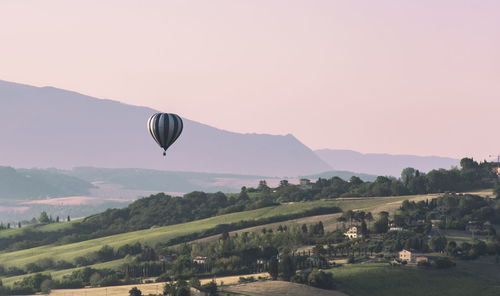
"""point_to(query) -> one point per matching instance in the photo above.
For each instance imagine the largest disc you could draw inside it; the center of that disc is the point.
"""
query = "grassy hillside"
(376, 279)
(163, 234)
(166, 233)
(149, 236)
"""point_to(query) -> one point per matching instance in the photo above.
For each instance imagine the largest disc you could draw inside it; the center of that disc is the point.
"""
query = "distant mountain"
(382, 164)
(50, 127)
(32, 184)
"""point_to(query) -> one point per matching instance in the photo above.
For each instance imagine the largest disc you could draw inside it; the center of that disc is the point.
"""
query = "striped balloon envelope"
(165, 128)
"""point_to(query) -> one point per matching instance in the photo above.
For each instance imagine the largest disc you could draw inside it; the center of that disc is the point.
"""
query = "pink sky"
(406, 77)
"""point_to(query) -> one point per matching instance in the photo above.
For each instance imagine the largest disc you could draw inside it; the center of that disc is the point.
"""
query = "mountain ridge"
(50, 127)
(381, 163)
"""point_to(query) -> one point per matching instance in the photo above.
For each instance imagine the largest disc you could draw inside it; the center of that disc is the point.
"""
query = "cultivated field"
(278, 288)
(373, 204)
(152, 288)
(380, 279)
(260, 288)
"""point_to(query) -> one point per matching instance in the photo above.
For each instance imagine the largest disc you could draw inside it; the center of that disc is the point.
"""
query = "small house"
(305, 184)
(408, 256)
(421, 259)
(353, 232)
(474, 226)
(200, 259)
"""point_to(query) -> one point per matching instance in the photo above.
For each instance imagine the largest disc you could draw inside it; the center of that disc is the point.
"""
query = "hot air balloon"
(165, 129)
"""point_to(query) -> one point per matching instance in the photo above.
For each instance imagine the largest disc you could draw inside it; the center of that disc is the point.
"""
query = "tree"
(318, 229)
(182, 288)
(169, 288)
(304, 228)
(95, 279)
(210, 288)
(349, 215)
(320, 279)
(135, 292)
(44, 218)
(284, 183)
(381, 225)
(263, 186)
(273, 268)
(418, 185)
(342, 219)
(407, 174)
(384, 214)
(194, 282)
(369, 217)
(355, 181)
(243, 196)
(427, 227)
(46, 286)
(437, 243)
(286, 267)
(496, 190)
(364, 229)
(225, 235)
(105, 253)
(468, 163)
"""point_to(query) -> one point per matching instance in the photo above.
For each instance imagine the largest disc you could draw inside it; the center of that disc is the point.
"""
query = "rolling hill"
(32, 183)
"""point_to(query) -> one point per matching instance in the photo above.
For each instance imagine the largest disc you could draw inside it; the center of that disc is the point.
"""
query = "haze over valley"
(105, 144)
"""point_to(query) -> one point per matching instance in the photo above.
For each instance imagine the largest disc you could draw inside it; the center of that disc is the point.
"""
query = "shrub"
(321, 279)
(442, 262)
(244, 280)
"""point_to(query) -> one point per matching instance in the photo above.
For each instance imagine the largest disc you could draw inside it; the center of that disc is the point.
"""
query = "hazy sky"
(408, 77)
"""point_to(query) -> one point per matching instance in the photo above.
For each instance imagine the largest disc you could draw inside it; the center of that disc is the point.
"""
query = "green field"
(380, 279)
(149, 236)
(165, 233)
(40, 227)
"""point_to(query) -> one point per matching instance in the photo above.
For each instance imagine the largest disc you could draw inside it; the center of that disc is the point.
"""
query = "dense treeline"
(161, 209)
(455, 211)
(471, 176)
(156, 210)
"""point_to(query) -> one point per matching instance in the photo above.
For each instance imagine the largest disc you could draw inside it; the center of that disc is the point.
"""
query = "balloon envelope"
(165, 128)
